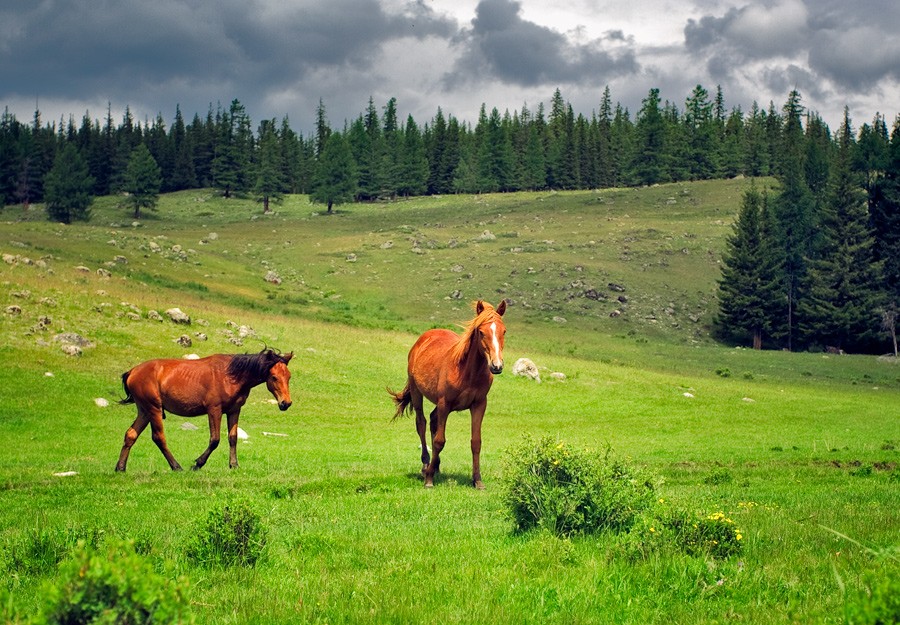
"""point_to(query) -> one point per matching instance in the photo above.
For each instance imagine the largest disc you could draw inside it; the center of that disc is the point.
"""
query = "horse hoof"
(120, 469)
(429, 484)
(478, 484)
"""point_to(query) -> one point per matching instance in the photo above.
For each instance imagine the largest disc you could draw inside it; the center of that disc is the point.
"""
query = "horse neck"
(469, 356)
(247, 380)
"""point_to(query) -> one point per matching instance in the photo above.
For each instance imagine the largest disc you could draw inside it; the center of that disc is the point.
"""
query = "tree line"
(814, 264)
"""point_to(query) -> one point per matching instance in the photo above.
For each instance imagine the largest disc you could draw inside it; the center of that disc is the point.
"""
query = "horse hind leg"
(159, 437)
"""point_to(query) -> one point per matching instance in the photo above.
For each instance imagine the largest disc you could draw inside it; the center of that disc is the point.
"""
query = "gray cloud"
(503, 46)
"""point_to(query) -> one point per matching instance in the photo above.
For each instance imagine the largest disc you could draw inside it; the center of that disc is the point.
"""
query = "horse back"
(182, 387)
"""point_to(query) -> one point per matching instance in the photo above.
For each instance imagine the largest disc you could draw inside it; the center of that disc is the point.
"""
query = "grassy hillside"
(795, 447)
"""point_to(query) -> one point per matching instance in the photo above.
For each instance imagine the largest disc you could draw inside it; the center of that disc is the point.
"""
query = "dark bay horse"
(454, 372)
(215, 385)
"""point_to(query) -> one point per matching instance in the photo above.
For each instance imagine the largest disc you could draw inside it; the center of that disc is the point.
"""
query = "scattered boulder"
(71, 350)
(187, 425)
(13, 310)
(487, 235)
(387, 245)
(71, 338)
(241, 434)
(154, 315)
(616, 287)
(101, 402)
(184, 340)
(351, 258)
(83, 269)
(177, 316)
(272, 277)
(525, 368)
(558, 375)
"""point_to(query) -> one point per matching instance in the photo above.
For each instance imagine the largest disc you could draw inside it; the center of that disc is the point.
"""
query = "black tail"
(128, 398)
(403, 399)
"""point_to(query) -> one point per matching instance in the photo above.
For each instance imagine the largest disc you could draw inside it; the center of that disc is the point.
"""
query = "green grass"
(809, 441)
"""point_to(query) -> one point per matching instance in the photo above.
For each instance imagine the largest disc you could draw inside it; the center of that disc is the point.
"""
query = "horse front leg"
(477, 412)
(215, 426)
(438, 440)
(131, 435)
(232, 438)
(159, 437)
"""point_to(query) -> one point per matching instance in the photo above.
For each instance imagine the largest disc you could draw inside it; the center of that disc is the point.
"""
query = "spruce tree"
(750, 286)
(841, 304)
(68, 187)
(142, 181)
(649, 163)
(334, 180)
(269, 183)
(885, 219)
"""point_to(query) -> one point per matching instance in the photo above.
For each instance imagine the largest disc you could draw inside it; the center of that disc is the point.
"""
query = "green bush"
(230, 536)
(551, 485)
(676, 531)
(113, 586)
(714, 534)
(878, 602)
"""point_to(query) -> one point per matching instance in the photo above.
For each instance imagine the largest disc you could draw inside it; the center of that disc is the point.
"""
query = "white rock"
(101, 402)
(526, 368)
(242, 434)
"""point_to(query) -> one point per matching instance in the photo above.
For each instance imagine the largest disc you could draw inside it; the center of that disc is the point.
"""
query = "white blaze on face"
(496, 357)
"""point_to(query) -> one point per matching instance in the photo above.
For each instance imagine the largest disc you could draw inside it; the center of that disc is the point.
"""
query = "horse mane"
(461, 349)
(253, 366)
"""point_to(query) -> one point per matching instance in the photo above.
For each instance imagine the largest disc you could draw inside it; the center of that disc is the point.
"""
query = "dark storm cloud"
(802, 42)
(128, 49)
(501, 45)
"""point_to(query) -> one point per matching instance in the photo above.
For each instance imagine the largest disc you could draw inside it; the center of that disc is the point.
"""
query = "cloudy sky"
(280, 57)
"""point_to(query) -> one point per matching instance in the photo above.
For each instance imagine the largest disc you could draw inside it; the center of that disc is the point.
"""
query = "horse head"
(279, 379)
(491, 333)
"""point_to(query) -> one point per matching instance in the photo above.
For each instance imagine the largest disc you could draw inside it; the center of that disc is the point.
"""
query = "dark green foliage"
(232, 535)
(142, 181)
(842, 300)
(335, 179)
(553, 486)
(67, 187)
(269, 184)
(113, 585)
(750, 283)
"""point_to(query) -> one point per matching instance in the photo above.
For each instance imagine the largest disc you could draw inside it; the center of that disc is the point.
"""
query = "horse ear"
(501, 308)
(479, 307)
(287, 357)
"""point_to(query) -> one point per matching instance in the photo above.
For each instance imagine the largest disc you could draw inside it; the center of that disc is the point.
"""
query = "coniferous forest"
(814, 265)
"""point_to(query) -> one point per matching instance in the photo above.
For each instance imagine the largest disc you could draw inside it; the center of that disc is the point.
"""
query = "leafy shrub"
(553, 486)
(113, 586)
(669, 532)
(714, 534)
(231, 536)
(878, 602)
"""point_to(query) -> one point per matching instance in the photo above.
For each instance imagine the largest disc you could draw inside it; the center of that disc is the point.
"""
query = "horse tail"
(403, 399)
(129, 399)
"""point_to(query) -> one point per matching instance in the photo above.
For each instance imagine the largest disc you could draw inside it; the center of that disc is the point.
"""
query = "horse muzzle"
(284, 405)
(496, 369)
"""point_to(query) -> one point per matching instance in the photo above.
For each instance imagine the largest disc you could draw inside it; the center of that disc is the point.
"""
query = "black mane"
(254, 367)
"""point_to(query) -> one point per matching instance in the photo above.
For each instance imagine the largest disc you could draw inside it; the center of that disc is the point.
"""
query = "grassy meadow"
(615, 289)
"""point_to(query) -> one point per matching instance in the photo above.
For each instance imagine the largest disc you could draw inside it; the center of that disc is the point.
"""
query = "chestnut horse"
(215, 385)
(454, 372)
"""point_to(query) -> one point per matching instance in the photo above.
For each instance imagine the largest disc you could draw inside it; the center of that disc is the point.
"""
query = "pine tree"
(142, 181)
(794, 211)
(649, 162)
(841, 304)
(885, 202)
(334, 181)
(701, 134)
(269, 171)
(750, 284)
(414, 166)
(68, 187)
